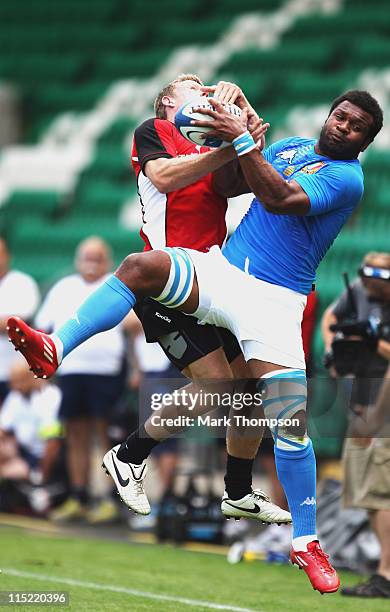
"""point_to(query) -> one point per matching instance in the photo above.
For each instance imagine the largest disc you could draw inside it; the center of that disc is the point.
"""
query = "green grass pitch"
(156, 571)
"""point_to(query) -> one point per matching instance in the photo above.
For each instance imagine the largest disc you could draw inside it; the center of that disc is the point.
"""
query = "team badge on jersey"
(289, 170)
(287, 155)
(313, 168)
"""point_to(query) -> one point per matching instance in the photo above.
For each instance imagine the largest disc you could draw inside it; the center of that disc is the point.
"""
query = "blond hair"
(159, 107)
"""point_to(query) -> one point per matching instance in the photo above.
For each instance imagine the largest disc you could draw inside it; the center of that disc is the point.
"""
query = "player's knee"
(144, 273)
(298, 425)
(284, 396)
(131, 271)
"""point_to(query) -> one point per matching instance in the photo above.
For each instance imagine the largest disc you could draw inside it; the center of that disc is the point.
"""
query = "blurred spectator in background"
(365, 302)
(363, 313)
(18, 294)
(91, 380)
(367, 483)
(30, 430)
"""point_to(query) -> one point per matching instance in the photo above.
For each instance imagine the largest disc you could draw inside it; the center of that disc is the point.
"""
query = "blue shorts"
(89, 395)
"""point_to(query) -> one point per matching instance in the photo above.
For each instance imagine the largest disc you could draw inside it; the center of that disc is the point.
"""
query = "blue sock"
(297, 474)
(104, 309)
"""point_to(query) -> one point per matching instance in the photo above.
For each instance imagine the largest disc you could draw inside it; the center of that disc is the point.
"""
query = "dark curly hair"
(366, 102)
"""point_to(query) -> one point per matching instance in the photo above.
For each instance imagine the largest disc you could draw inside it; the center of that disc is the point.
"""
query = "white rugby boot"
(129, 479)
(256, 505)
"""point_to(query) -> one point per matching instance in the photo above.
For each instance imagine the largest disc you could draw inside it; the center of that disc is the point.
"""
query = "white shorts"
(266, 319)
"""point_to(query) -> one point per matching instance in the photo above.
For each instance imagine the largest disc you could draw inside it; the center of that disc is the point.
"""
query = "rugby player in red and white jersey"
(181, 206)
(174, 178)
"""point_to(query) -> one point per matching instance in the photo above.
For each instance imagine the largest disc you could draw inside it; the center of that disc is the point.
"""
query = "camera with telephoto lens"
(354, 347)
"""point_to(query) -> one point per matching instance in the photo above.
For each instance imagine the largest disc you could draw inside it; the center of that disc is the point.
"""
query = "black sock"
(80, 493)
(238, 479)
(137, 447)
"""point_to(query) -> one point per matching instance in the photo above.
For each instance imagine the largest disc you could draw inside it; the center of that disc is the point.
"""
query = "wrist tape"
(244, 143)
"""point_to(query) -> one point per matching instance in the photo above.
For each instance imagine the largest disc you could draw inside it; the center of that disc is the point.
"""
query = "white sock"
(302, 542)
(59, 347)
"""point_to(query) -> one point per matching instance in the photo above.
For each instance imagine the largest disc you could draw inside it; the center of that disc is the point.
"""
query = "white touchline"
(116, 589)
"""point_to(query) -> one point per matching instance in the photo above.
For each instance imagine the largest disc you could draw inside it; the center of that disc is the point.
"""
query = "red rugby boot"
(36, 347)
(314, 562)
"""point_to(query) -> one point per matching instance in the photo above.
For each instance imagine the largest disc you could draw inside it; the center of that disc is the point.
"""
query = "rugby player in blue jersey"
(305, 190)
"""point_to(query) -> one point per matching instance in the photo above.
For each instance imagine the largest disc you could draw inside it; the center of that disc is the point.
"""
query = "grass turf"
(162, 570)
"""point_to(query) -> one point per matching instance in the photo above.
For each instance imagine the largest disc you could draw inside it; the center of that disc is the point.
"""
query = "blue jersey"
(286, 249)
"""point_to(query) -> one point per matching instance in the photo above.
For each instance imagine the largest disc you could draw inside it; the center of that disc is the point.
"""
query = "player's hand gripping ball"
(198, 135)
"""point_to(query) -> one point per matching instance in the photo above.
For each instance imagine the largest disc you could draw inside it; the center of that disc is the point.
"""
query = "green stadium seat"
(159, 10)
(374, 4)
(100, 195)
(60, 97)
(31, 205)
(317, 88)
(35, 203)
(96, 39)
(42, 68)
(56, 37)
(286, 59)
(127, 65)
(47, 11)
(193, 32)
(231, 7)
(120, 129)
(377, 160)
(373, 51)
(61, 238)
(110, 162)
(46, 270)
(255, 89)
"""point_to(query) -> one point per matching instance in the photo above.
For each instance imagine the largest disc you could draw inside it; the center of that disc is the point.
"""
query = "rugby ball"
(198, 135)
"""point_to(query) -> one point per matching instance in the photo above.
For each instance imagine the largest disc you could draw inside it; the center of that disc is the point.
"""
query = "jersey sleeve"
(154, 139)
(333, 187)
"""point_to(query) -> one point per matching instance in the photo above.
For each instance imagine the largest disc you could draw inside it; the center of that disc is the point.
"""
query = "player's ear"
(168, 101)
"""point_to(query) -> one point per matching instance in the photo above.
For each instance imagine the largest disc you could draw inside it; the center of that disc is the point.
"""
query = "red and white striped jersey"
(192, 217)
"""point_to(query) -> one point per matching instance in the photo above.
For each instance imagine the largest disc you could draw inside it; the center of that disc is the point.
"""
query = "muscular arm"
(178, 172)
(277, 195)
(229, 180)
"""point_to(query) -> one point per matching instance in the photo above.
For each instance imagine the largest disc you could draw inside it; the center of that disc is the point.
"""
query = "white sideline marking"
(115, 589)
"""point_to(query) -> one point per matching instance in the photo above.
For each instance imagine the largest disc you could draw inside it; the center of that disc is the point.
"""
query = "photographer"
(357, 342)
